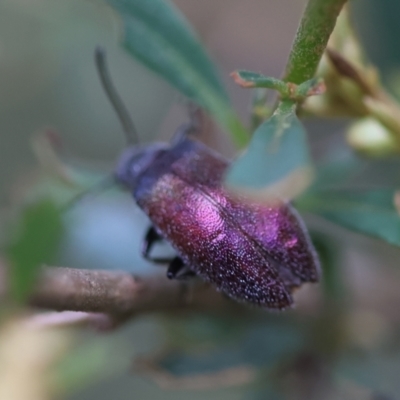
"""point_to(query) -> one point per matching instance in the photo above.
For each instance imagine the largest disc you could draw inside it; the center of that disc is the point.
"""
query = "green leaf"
(341, 168)
(250, 79)
(36, 242)
(277, 159)
(157, 34)
(371, 212)
(337, 196)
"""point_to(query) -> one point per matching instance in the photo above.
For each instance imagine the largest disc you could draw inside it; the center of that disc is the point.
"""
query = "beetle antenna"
(112, 94)
(105, 184)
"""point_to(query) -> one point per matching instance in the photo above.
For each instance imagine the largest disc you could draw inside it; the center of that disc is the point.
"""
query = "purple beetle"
(250, 252)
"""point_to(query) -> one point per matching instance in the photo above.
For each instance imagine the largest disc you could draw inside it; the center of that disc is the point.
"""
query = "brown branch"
(120, 295)
(86, 290)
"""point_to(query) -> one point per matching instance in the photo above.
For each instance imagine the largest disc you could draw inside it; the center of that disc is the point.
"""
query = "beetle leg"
(178, 270)
(152, 237)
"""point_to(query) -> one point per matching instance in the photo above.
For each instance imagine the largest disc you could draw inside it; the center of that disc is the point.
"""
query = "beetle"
(249, 251)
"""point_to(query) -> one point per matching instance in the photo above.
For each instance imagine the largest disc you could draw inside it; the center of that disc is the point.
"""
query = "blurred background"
(49, 83)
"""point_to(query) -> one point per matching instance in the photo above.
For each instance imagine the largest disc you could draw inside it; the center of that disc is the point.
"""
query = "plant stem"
(312, 36)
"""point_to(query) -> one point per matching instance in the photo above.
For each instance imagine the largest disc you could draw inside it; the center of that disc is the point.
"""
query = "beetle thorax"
(135, 160)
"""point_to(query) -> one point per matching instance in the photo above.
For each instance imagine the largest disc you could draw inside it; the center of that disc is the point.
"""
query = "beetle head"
(135, 160)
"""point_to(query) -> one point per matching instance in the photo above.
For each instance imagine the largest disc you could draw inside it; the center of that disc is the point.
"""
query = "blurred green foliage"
(38, 235)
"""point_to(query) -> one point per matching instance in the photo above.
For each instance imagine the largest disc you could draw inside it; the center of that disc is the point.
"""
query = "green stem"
(312, 36)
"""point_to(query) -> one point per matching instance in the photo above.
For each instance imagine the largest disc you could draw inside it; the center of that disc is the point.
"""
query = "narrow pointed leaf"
(157, 34)
(340, 169)
(277, 160)
(371, 212)
(248, 79)
(337, 196)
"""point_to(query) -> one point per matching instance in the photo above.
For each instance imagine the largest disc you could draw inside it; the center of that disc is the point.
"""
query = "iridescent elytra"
(251, 252)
